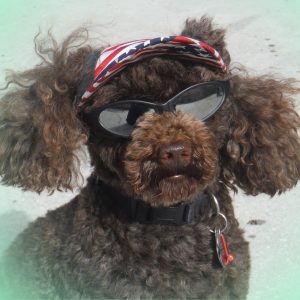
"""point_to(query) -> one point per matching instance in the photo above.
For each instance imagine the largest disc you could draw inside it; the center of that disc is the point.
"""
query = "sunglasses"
(119, 118)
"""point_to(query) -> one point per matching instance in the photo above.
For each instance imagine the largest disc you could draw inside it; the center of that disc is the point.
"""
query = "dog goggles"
(119, 118)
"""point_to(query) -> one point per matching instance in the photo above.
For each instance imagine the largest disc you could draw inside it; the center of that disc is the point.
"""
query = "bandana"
(113, 59)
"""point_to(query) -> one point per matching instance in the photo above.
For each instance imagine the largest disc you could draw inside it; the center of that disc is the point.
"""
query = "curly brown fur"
(149, 179)
(36, 137)
(104, 257)
(87, 249)
(205, 30)
(263, 147)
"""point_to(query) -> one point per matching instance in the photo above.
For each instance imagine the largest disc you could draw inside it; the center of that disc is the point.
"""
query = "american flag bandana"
(113, 59)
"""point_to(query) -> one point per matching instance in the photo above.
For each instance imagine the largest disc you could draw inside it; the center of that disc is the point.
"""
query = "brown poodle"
(155, 220)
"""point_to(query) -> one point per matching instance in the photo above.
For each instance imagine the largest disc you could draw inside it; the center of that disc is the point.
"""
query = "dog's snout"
(175, 155)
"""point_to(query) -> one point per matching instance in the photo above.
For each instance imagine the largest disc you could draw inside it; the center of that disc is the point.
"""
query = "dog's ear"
(262, 154)
(205, 30)
(39, 131)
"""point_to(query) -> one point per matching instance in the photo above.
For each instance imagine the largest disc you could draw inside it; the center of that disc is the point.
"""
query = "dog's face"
(251, 141)
(170, 156)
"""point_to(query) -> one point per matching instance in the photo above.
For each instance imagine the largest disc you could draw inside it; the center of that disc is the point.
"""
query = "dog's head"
(162, 129)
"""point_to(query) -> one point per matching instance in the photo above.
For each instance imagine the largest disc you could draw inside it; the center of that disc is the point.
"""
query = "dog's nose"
(175, 155)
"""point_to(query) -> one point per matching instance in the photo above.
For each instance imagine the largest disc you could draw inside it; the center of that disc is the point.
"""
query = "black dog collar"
(141, 212)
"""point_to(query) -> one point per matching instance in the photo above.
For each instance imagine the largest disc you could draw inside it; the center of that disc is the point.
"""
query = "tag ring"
(218, 213)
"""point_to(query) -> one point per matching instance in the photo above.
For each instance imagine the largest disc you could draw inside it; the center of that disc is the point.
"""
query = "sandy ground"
(262, 35)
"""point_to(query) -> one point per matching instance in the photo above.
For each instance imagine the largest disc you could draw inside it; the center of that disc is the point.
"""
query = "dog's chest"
(141, 260)
(79, 254)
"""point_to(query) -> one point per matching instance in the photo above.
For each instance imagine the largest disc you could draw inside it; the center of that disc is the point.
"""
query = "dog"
(171, 129)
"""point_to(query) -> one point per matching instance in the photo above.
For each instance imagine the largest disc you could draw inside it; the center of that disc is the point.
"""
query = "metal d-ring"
(218, 213)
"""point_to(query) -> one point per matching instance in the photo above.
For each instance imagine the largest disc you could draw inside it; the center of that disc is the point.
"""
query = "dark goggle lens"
(201, 101)
(121, 117)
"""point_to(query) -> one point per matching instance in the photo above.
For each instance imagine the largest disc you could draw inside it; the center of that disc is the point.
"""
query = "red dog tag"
(225, 258)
